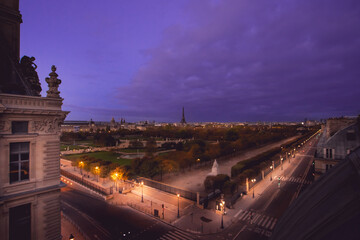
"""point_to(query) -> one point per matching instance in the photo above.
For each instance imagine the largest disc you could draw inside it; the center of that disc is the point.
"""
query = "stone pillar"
(289, 157)
(247, 185)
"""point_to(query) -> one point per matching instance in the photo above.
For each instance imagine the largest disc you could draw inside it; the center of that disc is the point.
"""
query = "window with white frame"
(19, 161)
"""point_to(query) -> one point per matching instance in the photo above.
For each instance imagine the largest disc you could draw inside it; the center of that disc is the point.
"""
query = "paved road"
(259, 221)
(100, 220)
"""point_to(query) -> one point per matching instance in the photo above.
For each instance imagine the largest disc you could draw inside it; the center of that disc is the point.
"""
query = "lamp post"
(222, 205)
(115, 177)
(288, 156)
(178, 196)
(81, 165)
(97, 171)
(271, 169)
(253, 181)
(142, 191)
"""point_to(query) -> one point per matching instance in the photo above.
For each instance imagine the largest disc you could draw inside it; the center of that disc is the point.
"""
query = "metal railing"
(86, 183)
(169, 189)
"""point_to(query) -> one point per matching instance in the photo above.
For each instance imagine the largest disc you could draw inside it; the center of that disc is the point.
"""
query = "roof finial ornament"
(53, 83)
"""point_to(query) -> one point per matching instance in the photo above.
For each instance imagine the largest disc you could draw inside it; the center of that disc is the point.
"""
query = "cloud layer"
(250, 60)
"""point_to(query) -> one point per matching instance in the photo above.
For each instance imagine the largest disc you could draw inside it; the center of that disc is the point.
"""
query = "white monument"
(214, 169)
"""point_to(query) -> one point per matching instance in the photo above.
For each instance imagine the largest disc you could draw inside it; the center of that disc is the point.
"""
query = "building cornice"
(24, 102)
(31, 193)
(10, 14)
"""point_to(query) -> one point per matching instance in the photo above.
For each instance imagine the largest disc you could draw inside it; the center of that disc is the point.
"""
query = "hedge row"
(251, 162)
(253, 165)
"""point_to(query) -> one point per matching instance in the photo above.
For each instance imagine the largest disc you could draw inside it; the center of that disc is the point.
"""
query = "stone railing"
(24, 102)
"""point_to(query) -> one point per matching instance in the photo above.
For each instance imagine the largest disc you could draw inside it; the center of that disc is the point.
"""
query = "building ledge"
(32, 192)
(29, 104)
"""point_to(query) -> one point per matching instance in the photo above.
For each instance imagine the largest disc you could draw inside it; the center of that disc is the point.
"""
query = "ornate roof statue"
(53, 83)
(28, 71)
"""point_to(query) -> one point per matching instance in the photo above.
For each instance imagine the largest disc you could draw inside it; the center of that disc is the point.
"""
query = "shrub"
(216, 182)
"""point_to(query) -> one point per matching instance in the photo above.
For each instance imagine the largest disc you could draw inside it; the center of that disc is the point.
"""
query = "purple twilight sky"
(223, 60)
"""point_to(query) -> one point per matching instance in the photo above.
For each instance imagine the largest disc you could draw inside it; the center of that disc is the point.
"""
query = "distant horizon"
(189, 122)
(256, 121)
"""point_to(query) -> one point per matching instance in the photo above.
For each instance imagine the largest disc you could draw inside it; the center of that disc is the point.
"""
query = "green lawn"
(107, 156)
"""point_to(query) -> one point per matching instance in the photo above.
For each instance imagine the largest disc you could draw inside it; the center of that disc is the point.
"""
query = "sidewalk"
(150, 204)
(68, 228)
(66, 166)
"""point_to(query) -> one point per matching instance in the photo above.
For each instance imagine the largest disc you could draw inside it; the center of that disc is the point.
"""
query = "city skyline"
(224, 61)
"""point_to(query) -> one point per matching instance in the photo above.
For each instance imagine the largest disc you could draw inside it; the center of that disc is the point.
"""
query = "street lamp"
(253, 181)
(71, 237)
(97, 171)
(115, 177)
(271, 168)
(142, 191)
(222, 205)
(81, 165)
(178, 196)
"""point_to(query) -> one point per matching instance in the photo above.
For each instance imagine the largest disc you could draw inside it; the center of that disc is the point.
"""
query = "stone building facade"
(30, 167)
(340, 136)
(29, 140)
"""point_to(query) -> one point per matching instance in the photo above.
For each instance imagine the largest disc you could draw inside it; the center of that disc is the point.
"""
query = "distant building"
(339, 137)
(76, 126)
(113, 123)
(29, 140)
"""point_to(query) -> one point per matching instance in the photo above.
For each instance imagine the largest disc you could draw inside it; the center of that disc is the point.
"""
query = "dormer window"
(350, 135)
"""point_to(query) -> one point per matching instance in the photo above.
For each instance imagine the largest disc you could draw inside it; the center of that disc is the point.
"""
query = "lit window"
(19, 162)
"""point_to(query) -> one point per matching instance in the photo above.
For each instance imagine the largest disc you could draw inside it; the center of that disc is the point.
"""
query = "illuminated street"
(106, 221)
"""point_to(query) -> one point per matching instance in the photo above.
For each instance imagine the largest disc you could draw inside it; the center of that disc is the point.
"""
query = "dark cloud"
(250, 60)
